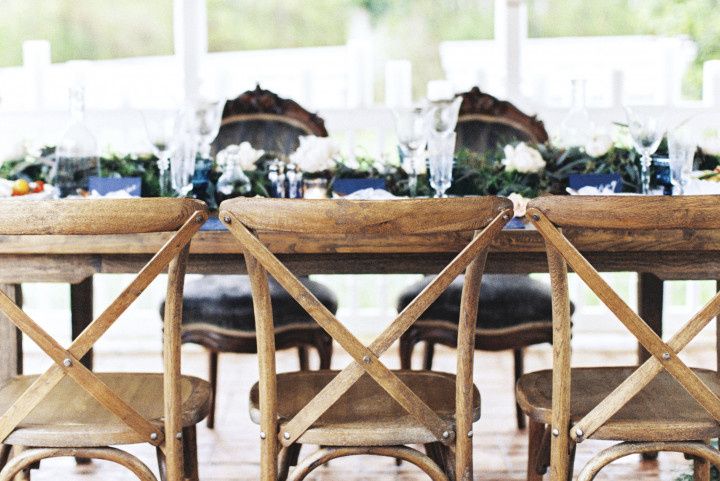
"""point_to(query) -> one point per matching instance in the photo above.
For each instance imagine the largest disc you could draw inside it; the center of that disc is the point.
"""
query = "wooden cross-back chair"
(366, 408)
(516, 309)
(663, 405)
(71, 411)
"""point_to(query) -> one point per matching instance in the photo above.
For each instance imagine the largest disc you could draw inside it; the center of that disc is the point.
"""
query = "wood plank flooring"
(230, 452)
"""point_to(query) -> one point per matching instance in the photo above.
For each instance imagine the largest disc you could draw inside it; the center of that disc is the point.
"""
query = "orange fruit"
(21, 187)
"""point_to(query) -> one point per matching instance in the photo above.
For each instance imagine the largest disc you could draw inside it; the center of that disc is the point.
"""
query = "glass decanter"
(576, 127)
(76, 156)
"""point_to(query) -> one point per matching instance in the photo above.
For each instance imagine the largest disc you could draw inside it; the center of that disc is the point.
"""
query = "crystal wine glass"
(647, 133)
(162, 135)
(182, 161)
(411, 132)
(681, 150)
(441, 151)
(207, 116)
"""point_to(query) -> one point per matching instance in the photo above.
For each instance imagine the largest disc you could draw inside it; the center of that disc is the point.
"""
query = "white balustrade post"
(36, 60)
(618, 89)
(511, 28)
(711, 83)
(398, 83)
(191, 43)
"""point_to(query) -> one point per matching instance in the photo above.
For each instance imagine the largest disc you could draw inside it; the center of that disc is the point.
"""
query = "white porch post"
(711, 83)
(511, 30)
(191, 42)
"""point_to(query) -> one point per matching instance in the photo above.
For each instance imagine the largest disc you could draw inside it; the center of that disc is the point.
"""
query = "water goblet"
(646, 132)
(162, 134)
(441, 150)
(411, 133)
(681, 150)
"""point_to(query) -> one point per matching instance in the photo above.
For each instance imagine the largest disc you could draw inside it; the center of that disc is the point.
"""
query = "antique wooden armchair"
(663, 405)
(218, 311)
(366, 408)
(71, 411)
(516, 310)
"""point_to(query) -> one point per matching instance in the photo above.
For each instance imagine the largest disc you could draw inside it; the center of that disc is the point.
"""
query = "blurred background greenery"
(412, 29)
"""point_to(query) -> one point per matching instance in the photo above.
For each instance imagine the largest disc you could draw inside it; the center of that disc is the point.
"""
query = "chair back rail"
(631, 212)
(372, 217)
(486, 216)
(118, 216)
(95, 216)
(628, 214)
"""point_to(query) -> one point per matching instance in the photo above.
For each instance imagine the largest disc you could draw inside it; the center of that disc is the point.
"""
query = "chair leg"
(288, 457)
(5, 450)
(536, 466)
(407, 346)
(429, 355)
(303, 358)
(519, 358)
(212, 377)
(190, 455)
(162, 464)
(325, 351)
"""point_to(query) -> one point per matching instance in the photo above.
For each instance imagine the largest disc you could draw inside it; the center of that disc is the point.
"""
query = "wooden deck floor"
(230, 452)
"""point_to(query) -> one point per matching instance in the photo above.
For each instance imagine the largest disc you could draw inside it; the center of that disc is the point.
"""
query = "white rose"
(519, 204)
(598, 145)
(315, 154)
(523, 159)
(710, 145)
(243, 154)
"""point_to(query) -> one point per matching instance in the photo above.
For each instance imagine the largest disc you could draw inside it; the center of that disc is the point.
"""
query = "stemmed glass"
(207, 116)
(647, 133)
(162, 135)
(411, 132)
(681, 150)
(441, 152)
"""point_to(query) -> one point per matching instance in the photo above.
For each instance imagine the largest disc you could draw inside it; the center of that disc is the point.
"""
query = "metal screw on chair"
(178, 436)
(446, 434)
(470, 434)
(262, 435)
(67, 362)
(506, 217)
(153, 436)
(579, 433)
(199, 219)
(556, 432)
(286, 435)
(227, 219)
(366, 359)
(535, 217)
(666, 356)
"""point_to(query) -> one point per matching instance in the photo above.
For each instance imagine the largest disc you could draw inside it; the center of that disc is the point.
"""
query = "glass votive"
(315, 188)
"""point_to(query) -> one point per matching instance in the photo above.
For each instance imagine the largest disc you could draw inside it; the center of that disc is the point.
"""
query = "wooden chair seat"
(70, 417)
(366, 414)
(662, 411)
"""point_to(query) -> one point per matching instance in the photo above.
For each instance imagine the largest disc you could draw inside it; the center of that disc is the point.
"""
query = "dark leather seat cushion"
(506, 300)
(225, 301)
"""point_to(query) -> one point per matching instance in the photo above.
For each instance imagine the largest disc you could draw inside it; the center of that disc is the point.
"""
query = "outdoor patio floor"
(231, 452)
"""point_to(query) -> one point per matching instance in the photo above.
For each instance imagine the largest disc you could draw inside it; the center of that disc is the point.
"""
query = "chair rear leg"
(190, 455)
(303, 358)
(162, 464)
(324, 347)
(429, 355)
(519, 369)
(407, 346)
(212, 378)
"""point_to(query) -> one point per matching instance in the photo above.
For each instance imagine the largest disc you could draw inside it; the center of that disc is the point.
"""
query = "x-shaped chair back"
(245, 217)
(183, 217)
(550, 214)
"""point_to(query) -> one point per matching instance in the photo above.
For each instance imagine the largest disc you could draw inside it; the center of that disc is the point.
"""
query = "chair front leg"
(538, 451)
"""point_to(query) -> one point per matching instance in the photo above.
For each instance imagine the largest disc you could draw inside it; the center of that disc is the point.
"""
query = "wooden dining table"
(655, 255)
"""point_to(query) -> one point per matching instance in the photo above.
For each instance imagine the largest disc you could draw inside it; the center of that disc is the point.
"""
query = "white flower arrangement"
(316, 154)
(244, 154)
(523, 159)
(598, 145)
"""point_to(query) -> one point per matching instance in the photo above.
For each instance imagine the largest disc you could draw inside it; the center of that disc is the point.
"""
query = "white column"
(36, 60)
(398, 83)
(711, 83)
(191, 42)
(510, 34)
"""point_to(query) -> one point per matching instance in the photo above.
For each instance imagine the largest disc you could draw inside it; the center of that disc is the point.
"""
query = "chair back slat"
(340, 216)
(631, 211)
(95, 216)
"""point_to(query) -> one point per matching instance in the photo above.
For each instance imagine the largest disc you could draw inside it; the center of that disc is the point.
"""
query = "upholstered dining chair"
(69, 410)
(366, 408)
(515, 309)
(663, 405)
(218, 309)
